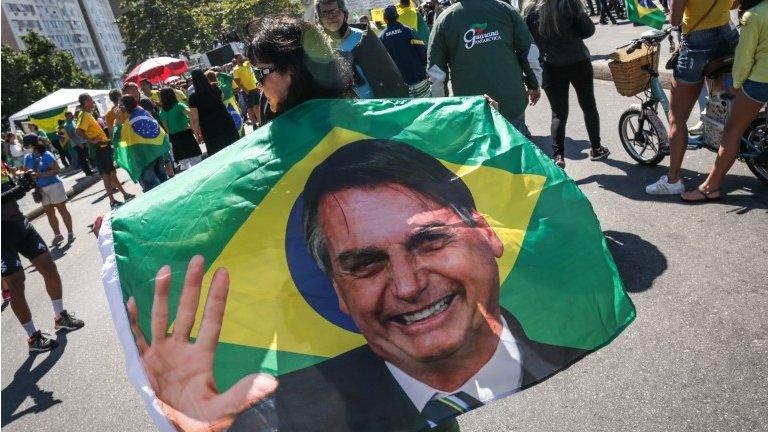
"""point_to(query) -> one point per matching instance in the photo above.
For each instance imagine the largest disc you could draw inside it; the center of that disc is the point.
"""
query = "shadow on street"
(24, 385)
(632, 184)
(639, 261)
(574, 149)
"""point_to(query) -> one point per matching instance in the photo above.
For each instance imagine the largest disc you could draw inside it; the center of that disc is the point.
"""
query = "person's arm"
(744, 59)
(535, 64)
(239, 82)
(585, 28)
(522, 41)
(677, 8)
(418, 46)
(437, 60)
(194, 123)
(53, 167)
(180, 371)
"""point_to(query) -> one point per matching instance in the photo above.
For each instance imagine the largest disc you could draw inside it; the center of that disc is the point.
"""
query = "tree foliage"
(170, 27)
(38, 70)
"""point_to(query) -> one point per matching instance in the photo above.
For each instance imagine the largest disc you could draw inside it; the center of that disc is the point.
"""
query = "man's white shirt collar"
(501, 376)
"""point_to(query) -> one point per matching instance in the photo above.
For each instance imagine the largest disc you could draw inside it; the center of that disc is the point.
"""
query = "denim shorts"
(756, 91)
(701, 47)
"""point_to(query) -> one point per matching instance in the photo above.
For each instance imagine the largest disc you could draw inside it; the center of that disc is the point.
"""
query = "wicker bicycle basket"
(627, 69)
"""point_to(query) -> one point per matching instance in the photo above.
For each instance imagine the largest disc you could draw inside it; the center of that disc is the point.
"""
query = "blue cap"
(30, 139)
(390, 13)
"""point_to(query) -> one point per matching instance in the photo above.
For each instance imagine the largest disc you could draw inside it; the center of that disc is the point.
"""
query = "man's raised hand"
(181, 371)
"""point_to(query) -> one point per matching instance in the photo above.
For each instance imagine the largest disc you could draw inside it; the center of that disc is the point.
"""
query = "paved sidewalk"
(75, 181)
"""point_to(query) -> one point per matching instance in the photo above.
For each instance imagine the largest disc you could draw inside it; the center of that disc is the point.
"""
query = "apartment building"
(85, 28)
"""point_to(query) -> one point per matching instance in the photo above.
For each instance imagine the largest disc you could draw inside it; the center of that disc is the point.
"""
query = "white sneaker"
(663, 187)
(697, 129)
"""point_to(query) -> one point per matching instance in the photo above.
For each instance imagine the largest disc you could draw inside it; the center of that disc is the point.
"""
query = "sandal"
(706, 196)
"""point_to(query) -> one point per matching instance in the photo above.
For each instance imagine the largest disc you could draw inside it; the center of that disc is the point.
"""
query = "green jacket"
(483, 45)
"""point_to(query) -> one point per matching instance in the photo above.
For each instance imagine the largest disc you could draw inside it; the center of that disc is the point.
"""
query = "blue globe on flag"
(144, 124)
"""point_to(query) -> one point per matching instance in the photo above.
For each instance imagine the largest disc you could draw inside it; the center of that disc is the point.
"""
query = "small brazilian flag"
(48, 121)
(646, 12)
(244, 209)
(230, 101)
(138, 141)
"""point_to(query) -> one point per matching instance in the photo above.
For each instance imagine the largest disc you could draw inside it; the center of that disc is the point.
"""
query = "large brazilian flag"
(646, 12)
(48, 121)
(242, 209)
(138, 141)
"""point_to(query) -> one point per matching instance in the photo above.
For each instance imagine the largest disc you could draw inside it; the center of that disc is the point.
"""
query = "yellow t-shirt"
(720, 15)
(90, 127)
(245, 74)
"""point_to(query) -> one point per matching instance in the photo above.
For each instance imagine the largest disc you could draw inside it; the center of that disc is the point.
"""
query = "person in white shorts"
(43, 166)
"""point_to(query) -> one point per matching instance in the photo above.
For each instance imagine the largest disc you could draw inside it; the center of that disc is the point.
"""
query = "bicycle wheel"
(644, 142)
(757, 135)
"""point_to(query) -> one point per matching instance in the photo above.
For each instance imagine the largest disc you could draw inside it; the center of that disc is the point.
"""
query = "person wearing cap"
(91, 131)
(408, 52)
(42, 166)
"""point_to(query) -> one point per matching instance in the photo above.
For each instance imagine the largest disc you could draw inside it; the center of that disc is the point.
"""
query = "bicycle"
(644, 136)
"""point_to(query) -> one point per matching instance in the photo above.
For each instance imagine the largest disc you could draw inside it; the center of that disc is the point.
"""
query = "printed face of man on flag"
(412, 261)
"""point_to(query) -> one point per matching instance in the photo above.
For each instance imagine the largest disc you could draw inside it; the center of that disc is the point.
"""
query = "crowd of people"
(289, 61)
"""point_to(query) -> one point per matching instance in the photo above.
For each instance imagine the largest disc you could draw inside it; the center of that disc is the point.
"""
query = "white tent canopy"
(60, 98)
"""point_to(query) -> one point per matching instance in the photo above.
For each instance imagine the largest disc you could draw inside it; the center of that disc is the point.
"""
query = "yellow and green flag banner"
(646, 12)
(230, 100)
(48, 121)
(139, 141)
(353, 228)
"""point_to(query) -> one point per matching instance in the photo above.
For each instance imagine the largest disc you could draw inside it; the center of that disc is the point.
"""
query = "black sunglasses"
(262, 72)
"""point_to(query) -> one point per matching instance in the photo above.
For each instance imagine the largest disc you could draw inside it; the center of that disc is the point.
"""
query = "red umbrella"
(171, 79)
(157, 69)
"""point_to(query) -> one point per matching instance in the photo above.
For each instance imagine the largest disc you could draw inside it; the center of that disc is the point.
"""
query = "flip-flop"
(705, 196)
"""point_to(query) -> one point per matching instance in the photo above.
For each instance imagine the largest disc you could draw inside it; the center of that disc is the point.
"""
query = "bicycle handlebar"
(634, 44)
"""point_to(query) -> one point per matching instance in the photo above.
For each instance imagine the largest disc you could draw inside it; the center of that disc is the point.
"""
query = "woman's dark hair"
(203, 87)
(554, 16)
(296, 46)
(129, 103)
(167, 98)
(201, 83)
(114, 96)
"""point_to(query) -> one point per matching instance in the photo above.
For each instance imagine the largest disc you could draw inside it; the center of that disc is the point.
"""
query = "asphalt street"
(694, 359)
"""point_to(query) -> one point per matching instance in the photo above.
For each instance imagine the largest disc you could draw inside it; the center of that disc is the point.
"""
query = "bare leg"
(743, 111)
(65, 216)
(108, 187)
(116, 182)
(682, 99)
(51, 214)
(15, 283)
(47, 269)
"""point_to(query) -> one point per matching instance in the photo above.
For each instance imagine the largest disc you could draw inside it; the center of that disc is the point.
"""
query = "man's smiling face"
(419, 282)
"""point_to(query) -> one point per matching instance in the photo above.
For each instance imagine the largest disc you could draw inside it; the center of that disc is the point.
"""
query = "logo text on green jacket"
(477, 35)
